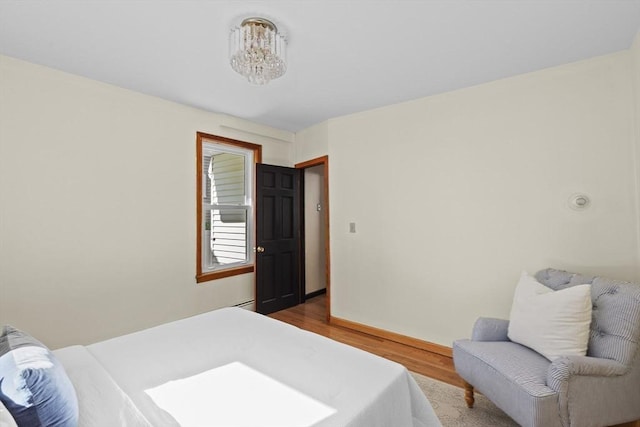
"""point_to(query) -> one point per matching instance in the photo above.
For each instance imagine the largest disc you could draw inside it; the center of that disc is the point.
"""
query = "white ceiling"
(344, 56)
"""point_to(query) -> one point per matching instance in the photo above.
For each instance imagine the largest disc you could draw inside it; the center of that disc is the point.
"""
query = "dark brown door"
(277, 238)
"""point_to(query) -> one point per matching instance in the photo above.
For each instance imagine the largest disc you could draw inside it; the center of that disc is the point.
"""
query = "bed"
(235, 368)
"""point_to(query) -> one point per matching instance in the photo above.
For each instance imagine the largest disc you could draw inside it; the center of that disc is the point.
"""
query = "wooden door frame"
(324, 161)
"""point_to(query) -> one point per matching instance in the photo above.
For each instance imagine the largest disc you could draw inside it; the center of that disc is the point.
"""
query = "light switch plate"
(352, 227)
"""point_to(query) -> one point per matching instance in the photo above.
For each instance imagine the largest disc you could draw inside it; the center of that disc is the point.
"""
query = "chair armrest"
(592, 384)
(490, 329)
(564, 367)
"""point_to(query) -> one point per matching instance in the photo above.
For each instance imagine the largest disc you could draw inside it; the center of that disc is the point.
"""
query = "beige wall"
(97, 198)
(453, 195)
(635, 56)
(311, 143)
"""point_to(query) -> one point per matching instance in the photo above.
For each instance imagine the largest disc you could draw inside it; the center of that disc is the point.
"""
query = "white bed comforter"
(175, 374)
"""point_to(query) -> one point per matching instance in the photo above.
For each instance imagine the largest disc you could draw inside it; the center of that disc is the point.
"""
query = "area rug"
(448, 402)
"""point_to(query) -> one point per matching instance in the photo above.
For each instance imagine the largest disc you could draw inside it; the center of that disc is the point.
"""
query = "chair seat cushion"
(510, 375)
(514, 362)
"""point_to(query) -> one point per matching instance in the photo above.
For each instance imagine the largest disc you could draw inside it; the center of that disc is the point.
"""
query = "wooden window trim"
(227, 272)
(257, 158)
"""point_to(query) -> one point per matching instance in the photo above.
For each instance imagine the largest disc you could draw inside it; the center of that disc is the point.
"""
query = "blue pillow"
(34, 387)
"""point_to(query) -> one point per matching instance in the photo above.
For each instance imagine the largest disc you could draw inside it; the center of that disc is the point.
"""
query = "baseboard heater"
(247, 305)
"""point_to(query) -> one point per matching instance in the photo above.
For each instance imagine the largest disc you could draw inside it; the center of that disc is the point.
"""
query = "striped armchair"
(599, 389)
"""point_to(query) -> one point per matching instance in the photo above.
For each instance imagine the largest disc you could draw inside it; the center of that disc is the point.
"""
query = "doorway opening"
(315, 243)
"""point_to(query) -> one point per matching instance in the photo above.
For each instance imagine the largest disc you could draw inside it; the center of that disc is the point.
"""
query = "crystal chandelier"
(257, 50)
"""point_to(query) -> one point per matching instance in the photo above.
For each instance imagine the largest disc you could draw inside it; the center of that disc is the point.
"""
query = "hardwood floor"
(311, 316)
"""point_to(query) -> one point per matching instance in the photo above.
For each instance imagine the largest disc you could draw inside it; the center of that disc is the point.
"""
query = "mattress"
(233, 368)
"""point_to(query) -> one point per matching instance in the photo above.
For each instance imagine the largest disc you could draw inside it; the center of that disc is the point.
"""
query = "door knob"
(259, 249)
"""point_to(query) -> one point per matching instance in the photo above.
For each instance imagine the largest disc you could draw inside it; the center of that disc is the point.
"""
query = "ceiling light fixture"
(257, 51)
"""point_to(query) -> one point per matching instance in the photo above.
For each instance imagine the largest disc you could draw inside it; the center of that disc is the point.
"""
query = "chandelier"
(257, 50)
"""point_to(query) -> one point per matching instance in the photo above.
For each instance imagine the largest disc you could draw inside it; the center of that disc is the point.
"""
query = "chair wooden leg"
(468, 394)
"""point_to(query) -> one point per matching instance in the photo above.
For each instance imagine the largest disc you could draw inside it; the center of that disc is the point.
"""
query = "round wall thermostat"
(579, 202)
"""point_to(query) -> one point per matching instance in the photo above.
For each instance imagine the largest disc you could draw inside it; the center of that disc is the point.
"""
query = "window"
(225, 206)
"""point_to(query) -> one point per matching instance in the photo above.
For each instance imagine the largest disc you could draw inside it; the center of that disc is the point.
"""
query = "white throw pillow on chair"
(553, 323)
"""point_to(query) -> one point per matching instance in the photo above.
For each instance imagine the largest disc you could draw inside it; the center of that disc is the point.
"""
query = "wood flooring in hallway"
(311, 316)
